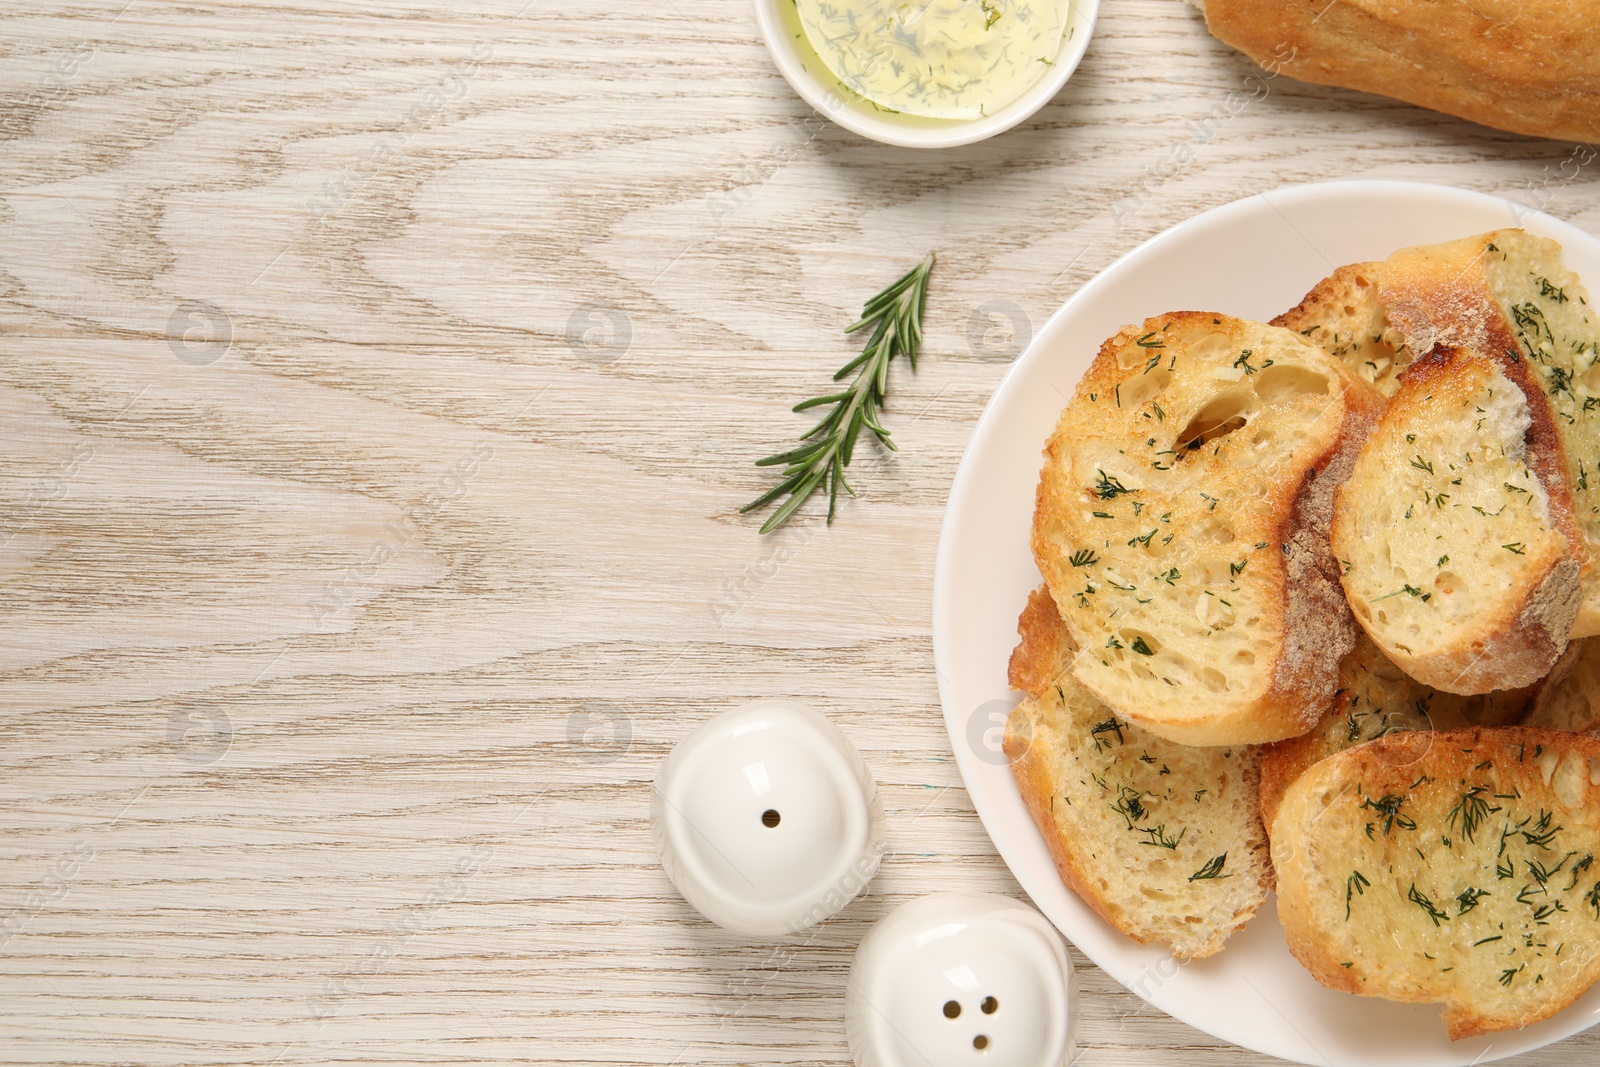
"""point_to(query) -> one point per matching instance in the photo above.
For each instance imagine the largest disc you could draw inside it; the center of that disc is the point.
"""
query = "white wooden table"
(380, 383)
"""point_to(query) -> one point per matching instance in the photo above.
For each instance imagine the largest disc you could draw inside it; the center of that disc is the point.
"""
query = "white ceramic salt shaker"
(961, 980)
(767, 819)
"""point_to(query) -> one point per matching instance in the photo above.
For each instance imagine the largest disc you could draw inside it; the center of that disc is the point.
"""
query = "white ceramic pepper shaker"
(767, 819)
(961, 980)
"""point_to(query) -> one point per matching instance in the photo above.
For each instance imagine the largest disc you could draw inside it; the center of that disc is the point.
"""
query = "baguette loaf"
(1181, 525)
(1528, 67)
(1164, 842)
(1454, 868)
(1453, 541)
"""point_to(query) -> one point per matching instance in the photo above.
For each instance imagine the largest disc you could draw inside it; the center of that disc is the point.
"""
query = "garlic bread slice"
(1507, 294)
(1454, 868)
(1163, 841)
(1453, 544)
(1181, 523)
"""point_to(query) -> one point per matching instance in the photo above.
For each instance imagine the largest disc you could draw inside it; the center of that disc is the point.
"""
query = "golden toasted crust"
(1045, 648)
(1455, 868)
(1530, 68)
(1256, 661)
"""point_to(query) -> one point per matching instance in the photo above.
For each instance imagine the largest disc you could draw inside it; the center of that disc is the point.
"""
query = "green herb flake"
(1388, 809)
(1470, 811)
(1108, 487)
(1425, 902)
(1356, 883)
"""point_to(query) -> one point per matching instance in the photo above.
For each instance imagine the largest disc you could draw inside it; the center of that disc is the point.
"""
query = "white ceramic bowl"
(798, 62)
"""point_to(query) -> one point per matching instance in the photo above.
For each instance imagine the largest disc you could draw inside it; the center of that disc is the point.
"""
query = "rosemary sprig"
(896, 317)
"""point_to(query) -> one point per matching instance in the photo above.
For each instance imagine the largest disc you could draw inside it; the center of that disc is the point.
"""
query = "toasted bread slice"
(1163, 841)
(1376, 698)
(1454, 551)
(1181, 525)
(1346, 318)
(1453, 868)
(1571, 702)
(1045, 650)
(1507, 293)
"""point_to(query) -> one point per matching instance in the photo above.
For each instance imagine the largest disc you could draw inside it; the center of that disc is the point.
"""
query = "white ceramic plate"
(1254, 258)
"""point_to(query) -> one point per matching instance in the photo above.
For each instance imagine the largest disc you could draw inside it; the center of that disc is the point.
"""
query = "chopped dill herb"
(1109, 487)
(1388, 809)
(1470, 811)
(1425, 902)
(1159, 837)
(1356, 883)
(1543, 834)
(1130, 805)
(1110, 726)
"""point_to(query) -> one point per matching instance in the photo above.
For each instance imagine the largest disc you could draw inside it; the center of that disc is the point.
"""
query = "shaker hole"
(980, 1042)
(990, 1005)
(951, 1009)
(770, 818)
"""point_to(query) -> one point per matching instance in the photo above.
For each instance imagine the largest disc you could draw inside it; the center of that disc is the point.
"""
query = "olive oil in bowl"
(940, 59)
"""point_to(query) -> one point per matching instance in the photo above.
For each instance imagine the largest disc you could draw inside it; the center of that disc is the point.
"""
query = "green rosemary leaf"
(895, 315)
(804, 452)
(818, 401)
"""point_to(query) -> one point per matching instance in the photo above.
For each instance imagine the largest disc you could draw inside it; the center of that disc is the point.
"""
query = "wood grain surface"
(380, 383)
